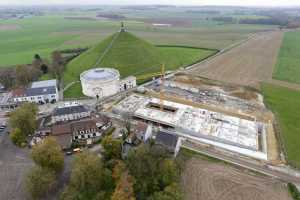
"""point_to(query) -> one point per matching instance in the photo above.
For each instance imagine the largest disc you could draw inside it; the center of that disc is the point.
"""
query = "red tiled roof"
(83, 125)
(61, 129)
(20, 92)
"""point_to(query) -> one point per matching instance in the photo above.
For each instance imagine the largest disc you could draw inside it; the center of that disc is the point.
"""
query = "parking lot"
(14, 163)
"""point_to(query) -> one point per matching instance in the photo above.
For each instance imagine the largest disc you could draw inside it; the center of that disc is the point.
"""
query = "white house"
(90, 130)
(40, 92)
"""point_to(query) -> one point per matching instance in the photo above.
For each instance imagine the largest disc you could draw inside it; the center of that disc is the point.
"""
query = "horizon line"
(175, 5)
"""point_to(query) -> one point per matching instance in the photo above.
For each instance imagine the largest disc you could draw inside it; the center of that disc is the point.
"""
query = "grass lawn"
(74, 91)
(288, 67)
(285, 103)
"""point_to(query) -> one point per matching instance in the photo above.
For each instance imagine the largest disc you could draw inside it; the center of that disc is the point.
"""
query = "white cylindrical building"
(101, 82)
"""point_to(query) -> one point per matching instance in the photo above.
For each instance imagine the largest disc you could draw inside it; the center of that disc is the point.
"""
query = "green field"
(285, 104)
(75, 91)
(22, 38)
(288, 68)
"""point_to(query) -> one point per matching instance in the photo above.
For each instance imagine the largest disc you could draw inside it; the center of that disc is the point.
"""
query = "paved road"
(14, 163)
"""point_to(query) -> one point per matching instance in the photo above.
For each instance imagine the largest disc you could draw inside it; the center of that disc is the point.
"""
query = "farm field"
(248, 64)
(284, 103)
(287, 68)
(210, 180)
(44, 34)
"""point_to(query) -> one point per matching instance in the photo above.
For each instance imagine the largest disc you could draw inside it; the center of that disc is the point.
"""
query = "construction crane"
(148, 76)
(161, 92)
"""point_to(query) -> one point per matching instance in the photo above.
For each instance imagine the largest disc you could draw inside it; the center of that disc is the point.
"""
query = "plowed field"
(248, 64)
(204, 180)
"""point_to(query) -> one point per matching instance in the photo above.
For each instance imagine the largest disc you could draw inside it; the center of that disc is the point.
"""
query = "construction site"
(225, 116)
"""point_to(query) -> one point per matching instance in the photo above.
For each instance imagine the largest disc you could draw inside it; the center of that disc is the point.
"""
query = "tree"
(7, 78)
(44, 68)
(118, 170)
(37, 61)
(23, 75)
(112, 148)
(24, 118)
(152, 170)
(171, 192)
(48, 154)
(57, 65)
(124, 189)
(26, 74)
(89, 180)
(39, 182)
(17, 137)
(37, 57)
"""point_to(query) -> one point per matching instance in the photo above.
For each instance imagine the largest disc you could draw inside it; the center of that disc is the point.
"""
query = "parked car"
(77, 150)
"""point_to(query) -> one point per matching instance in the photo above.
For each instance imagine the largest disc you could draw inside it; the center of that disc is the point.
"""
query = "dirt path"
(248, 64)
(215, 181)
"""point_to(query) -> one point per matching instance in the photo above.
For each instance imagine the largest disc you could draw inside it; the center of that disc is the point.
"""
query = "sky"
(169, 2)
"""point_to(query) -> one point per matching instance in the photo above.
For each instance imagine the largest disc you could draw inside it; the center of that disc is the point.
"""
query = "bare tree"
(57, 65)
(7, 77)
(23, 75)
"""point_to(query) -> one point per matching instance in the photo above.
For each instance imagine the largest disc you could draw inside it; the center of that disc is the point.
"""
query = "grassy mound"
(133, 56)
(285, 104)
(128, 54)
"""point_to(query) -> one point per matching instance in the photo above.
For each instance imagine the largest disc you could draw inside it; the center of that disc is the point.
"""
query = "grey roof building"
(69, 110)
(47, 83)
(168, 141)
(40, 91)
(70, 113)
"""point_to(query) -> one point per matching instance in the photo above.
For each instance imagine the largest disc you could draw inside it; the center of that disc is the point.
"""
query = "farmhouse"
(90, 130)
(40, 92)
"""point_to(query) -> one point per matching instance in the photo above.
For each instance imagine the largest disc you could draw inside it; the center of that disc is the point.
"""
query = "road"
(14, 164)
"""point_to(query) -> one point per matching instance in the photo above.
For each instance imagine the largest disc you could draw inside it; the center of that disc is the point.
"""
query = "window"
(39, 97)
(52, 96)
